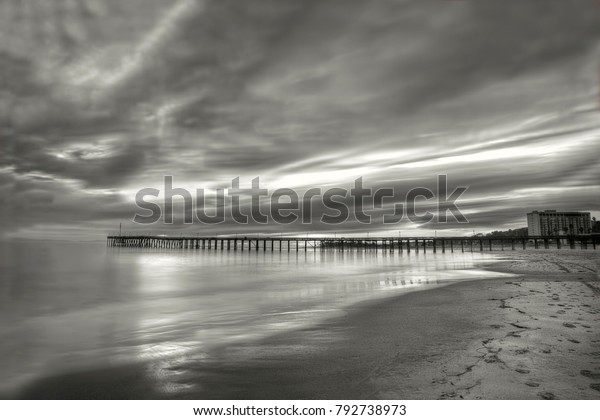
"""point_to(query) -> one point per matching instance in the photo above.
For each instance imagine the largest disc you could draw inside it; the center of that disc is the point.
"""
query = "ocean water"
(69, 306)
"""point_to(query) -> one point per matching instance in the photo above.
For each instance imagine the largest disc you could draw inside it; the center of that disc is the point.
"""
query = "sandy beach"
(534, 335)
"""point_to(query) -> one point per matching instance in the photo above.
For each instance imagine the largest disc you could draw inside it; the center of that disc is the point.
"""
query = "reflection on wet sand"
(85, 308)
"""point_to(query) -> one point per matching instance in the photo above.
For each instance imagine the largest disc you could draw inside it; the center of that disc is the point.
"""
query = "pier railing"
(414, 244)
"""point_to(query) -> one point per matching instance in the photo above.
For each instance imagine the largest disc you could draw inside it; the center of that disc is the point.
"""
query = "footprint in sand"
(532, 384)
(595, 387)
(523, 371)
(574, 341)
(568, 325)
(547, 395)
(590, 374)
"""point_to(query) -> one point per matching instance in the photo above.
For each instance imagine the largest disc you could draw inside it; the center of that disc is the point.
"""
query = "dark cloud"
(32, 203)
(89, 163)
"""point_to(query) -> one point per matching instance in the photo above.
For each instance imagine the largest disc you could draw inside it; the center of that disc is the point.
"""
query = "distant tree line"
(510, 233)
(522, 232)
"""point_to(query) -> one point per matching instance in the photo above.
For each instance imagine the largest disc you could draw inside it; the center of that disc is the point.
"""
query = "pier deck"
(297, 244)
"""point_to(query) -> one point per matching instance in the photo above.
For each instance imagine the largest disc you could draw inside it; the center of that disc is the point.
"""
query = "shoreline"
(534, 336)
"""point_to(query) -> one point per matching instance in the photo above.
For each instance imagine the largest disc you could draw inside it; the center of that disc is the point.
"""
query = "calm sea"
(70, 306)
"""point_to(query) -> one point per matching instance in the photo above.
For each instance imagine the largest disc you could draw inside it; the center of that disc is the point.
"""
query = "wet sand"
(532, 336)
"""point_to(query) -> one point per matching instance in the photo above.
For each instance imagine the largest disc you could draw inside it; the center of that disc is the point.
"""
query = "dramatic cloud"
(99, 99)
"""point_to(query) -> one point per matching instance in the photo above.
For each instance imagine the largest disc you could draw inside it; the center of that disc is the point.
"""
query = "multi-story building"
(552, 223)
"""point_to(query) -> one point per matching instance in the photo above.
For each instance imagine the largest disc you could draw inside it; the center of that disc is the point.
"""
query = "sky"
(99, 99)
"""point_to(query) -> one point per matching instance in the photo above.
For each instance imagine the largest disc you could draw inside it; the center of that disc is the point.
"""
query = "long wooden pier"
(297, 244)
